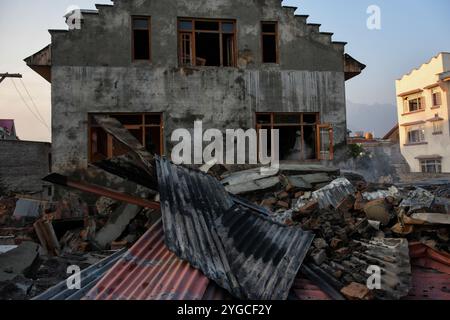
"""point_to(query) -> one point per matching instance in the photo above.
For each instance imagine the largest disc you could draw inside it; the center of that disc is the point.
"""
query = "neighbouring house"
(160, 65)
(381, 159)
(8, 130)
(423, 101)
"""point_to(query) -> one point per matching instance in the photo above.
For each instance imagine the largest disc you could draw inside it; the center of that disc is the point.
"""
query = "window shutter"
(438, 98)
(422, 103)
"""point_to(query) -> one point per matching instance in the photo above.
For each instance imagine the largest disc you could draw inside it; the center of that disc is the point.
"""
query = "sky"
(412, 32)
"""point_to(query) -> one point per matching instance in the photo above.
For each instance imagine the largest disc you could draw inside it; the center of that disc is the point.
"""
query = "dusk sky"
(412, 32)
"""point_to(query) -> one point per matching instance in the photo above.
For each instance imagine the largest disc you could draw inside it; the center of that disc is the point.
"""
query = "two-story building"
(160, 65)
(423, 101)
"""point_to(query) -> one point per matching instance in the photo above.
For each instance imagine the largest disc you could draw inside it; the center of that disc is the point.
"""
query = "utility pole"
(3, 76)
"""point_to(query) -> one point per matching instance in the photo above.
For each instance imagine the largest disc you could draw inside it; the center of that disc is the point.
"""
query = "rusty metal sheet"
(304, 289)
(429, 284)
(244, 252)
(424, 256)
(149, 271)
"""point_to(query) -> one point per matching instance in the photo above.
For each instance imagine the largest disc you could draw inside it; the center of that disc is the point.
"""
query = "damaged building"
(158, 66)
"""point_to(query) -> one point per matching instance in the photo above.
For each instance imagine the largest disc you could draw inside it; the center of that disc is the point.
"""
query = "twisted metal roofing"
(149, 271)
(244, 252)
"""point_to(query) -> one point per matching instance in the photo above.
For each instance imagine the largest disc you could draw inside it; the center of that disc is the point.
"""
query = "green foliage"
(356, 151)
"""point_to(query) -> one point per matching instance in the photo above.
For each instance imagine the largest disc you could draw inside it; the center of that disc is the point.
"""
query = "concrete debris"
(249, 186)
(18, 261)
(116, 225)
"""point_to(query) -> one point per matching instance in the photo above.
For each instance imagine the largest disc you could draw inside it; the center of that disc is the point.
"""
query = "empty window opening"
(431, 166)
(269, 42)
(146, 128)
(141, 38)
(207, 42)
(298, 133)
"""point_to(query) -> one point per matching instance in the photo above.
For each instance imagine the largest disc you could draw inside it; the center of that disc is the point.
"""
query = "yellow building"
(423, 103)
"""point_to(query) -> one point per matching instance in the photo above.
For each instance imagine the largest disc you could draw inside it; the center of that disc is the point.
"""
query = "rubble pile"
(61, 234)
(250, 234)
(357, 225)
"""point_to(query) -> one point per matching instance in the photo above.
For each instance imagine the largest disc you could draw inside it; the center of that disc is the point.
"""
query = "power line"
(28, 107)
(34, 104)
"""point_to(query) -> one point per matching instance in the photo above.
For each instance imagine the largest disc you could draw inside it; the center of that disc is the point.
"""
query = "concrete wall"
(92, 71)
(22, 165)
(421, 78)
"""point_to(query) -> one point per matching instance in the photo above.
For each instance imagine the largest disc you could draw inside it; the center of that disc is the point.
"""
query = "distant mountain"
(377, 118)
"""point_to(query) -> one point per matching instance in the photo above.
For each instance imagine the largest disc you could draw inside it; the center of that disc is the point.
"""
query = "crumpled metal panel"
(244, 252)
(329, 196)
(392, 256)
(149, 271)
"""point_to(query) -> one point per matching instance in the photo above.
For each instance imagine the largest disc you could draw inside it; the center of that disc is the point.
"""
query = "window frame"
(133, 52)
(436, 102)
(192, 34)
(277, 46)
(301, 124)
(438, 127)
(410, 129)
(426, 163)
(142, 125)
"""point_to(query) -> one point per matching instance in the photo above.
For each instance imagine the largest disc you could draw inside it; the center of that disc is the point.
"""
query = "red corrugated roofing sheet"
(306, 290)
(429, 284)
(149, 271)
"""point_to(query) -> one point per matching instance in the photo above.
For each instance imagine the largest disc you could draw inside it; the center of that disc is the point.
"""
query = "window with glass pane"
(431, 166)
(416, 134)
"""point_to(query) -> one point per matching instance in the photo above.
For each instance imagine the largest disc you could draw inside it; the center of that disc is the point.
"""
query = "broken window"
(207, 42)
(431, 166)
(146, 128)
(298, 132)
(269, 42)
(141, 38)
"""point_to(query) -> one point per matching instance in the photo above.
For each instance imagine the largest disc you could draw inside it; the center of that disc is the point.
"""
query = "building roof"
(244, 252)
(391, 132)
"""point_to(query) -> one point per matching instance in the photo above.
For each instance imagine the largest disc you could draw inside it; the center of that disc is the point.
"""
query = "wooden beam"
(101, 191)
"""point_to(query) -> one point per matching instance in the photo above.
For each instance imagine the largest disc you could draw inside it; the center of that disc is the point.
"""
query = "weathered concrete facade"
(92, 71)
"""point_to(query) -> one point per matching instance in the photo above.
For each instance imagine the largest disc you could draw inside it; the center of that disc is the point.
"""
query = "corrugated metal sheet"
(304, 289)
(149, 271)
(429, 284)
(244, 252)
(89, 278)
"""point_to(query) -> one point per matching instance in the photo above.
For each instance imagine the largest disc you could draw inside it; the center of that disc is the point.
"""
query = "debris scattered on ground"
(249, 234)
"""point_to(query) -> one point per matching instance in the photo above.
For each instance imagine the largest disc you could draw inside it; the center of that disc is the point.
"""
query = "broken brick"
(357, 291)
